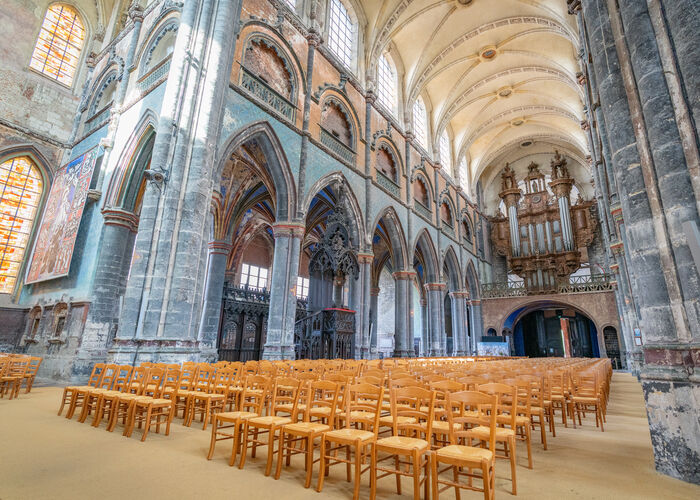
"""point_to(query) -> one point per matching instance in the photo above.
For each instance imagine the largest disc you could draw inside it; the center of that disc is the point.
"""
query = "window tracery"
(445, 157)
(386, 83)
(57, 50)
(21, 187)
(341, 32)
(419, 122)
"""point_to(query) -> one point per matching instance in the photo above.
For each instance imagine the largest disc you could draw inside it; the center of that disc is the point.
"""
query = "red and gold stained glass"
(60, 40)
(20, 193)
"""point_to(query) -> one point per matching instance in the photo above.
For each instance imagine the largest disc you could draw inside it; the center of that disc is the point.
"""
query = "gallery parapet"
(572, 284)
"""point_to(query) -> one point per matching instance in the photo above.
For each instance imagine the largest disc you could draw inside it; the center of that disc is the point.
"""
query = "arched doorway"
(555, 332)
(612, 346)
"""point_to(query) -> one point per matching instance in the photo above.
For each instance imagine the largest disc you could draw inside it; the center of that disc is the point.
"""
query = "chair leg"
(270, 449)
(63, 400)
(373, 473)
(309, 460)
(455, 478)
(416, 475)
(322, 470)
(434, 476)
(511, 445)
(487, 481)
(236, 442)
(358, 469)
(528, 438)
(398, 477)
(147, 423)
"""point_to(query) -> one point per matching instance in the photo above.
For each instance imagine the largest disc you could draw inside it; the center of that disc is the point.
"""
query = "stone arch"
(468, 233)
(108, 76)
(472, 282)
(454, 275)
(358, 231)
(424, 244)
(332, 96)
(396, 236)
(37, 157)
(126, 180)
(420, 177)
(260, 38)
(516, 313)
(163, 27)
(279, 170)
(447, 201)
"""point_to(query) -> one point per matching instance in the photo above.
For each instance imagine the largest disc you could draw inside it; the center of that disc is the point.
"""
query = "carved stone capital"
(121, 218)
(288, 230)
(365, 258)
(430, 287)
(461, 294)
(404, 275)
(220, 247)
(136, 13)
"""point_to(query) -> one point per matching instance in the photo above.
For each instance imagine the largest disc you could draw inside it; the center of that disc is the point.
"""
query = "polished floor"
(43, 456)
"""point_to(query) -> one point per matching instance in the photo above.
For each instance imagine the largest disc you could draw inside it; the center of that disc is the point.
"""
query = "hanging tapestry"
(54, 245)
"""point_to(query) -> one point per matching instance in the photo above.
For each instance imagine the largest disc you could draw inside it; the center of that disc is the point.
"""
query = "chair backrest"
(138, 378)
(18, 367)
(285, 393)
(471, 408)
(306, 376)
(188, 374)
(472, 382)
(416, 403)
(254, 393)
(321, 401)
(96, 374)
(153, 385)
(34, 364)
(524, 395)
(121, 379)
(171, 382)
(204, 379)
(444, 386)
(223, 380)
(107, 380)
(507, 399)
(375, 372)
(364, 399)
(368, 379)
(404, 382)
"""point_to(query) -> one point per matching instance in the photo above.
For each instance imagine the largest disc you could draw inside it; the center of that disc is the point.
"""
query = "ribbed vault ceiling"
(495, 73)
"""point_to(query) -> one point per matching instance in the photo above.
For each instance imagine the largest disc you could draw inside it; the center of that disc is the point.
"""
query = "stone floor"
(45, 456)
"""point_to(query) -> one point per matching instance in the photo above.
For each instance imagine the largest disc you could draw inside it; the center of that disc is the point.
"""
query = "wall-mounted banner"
(53, 249)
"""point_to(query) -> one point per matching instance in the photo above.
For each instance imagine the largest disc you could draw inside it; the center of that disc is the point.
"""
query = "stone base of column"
(436, 353)
(403, 354)
(136, 351)
(672, 398)
(277, 353)
(460, 354)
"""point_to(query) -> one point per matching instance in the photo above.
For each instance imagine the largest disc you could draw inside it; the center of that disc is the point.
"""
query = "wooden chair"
(412, 409)
(229, 425)
(507, 405)
(30, 375)
(467, 409)
(91, 396)
(523, 417)
(203, 396)
(588, 398)
(11, 380)
(121, 407)
(93, 380)
(188, 374)
(363, 404)
(284, 394)
(147, 410)
(105, 403)
(321, 404)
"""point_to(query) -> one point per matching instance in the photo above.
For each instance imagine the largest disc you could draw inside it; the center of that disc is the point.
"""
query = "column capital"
(510, 196)
(220, 247)
(561, 187)
(435, 286)
(288, 230)
(365, 258)
(404, 275)
(475, 302)
(122, 218)
(460, 294)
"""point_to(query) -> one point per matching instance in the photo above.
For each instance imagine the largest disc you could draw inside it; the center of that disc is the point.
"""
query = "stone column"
(361, 305)
(163, 299)
(459, 322)
(374, 304)
(436, 318)
(404, 305)
(425, 339)
(652, 163)
(213, 294)
(477, 328)
(283, 299)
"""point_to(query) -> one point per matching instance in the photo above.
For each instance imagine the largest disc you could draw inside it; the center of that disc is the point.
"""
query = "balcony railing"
(95, 121)
(447, 229)
(267, 94)
(159, 72)
(332, 143)
(387, 184)
(422, 210)
(574, 284)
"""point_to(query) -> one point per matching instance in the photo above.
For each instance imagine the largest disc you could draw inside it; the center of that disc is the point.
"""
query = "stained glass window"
(340, 33)
(20, 193)
(419, 122)
(386, 83)
(57, 50)
(445, 157)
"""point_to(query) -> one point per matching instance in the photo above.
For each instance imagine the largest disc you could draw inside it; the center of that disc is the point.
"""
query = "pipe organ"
(542, 233)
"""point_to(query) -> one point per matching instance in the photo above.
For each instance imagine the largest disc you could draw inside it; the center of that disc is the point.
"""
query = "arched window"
(161, 47)
(386, 83)
(334, 120)
(420, 192)
(466, 232)
(105, 96)
(419, 122)
(20, 193)
(263, 59)
(385, 163)
(446, 213)
(445, 156)
(463, 174)
(60, 41)
(341, 32)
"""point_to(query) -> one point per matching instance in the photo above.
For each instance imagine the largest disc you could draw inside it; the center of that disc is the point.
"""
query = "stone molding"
(220, 247)
(121, 218)
(288, 230)
(435, 286)
(404, 275)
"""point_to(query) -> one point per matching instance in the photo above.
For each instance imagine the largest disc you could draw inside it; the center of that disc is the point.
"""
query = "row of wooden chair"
(16, 370)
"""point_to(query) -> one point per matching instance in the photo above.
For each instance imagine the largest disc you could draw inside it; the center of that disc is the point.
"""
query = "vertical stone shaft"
(283, 300)
(374, 304)
(436, 318)
(216, 275)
